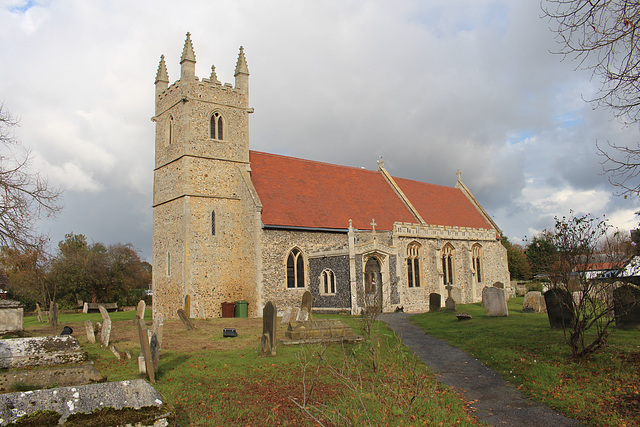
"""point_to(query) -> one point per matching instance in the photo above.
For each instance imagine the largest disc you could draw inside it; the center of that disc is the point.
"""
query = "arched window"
(216, 126)
(476, 260)
(295, 269)
(413, 265)
(213, 223)
(168, 264)
(170, 130)
(448, 264)
(327, 282)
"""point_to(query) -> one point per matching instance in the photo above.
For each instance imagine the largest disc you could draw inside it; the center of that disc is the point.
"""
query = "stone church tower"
(206, 214)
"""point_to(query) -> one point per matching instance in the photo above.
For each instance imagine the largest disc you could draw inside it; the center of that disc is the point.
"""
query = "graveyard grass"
(602, 389)
(210, 380)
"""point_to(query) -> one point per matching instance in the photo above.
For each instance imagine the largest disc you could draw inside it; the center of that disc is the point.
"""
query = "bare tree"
(24, 195)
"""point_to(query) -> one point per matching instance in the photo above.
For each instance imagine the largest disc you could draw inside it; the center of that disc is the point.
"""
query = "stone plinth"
(38, 351)
(11, 316)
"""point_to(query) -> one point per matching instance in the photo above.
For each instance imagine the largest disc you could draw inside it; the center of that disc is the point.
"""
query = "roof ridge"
(360, 168)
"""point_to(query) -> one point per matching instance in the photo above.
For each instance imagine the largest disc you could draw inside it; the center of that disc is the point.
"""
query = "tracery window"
(295, 269)
(448, 264)
(216, 126)
(413, 265)
(476, 261)
(328, 282)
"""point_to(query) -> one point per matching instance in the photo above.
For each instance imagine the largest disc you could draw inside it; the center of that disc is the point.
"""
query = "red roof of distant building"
(303, 193)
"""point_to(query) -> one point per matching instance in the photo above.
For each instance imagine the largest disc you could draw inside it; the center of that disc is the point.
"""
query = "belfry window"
(170, 130)
(216, 126)
(295, 269)
(327, 282)
(476, 261)
(413, 265)
(448, 264)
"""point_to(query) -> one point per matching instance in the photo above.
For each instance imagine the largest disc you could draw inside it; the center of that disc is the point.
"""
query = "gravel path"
(495, 401)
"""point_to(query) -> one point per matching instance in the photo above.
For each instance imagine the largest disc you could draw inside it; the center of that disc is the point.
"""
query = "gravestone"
(303, 315)
(435, 302)
(295, 311)
(141, 307)
(67, 331)
(155, 343)
(269, 323)
(626, 306)
(187, 305)
(91, 336)
(495, 303)
(307, 302)
(145, 349)
(105, 334)
(498, 285)
(39, 351)
(534, 303)
(85, 307)
(39, 313)
(185, 319)
(286, 315)
(559, 304)
(11, 316)
(450, 303)
(53, 314)
(115, 351)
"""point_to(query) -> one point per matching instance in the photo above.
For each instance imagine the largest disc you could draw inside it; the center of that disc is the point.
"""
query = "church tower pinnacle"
(162, 77)
(242, 73)
(188, 61)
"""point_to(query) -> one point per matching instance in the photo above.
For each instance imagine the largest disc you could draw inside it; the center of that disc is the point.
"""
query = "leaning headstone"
(157, 328)
(450, 303)
(85, 307)
(286, 315)
(495, 303)
(303, 315)
(187, 305)
(559, 304)
(154, 351)
(185, 319)
(626, 306)
(115, 351)
(534, 303)
(435, 302)
(104, 312)
(146, 349)
(39, 313)
(91, 336)
(269, 323)
(53, 314)
(105, 334)
(307, 301)
(141, 307)
(295, 312)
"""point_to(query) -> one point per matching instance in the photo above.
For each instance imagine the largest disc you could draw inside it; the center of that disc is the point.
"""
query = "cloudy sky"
(431, 86)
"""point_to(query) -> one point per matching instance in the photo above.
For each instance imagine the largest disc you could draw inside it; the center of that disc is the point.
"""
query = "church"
(234, 224)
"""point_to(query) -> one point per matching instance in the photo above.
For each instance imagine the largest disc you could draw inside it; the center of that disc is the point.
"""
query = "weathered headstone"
(155, 342)
(269, 323)
(534, 303)
(105, 334)
(158, 327)
(185, 319)
(187, 305)
(53, 314)
(141, 307)
(115, 351)
(39, 313)
(295, 312)
(626, 306)
(85, 307)
(307, 302)
(499, 285)
(559, 304)
(495, 303)
(11, 316)
(91, 336)
(286, 315)
(450, 303)
(145, 349)
(435, 302)
(104, 312)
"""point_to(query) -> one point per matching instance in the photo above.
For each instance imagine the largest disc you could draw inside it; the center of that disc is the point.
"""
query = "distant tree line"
(79, 270)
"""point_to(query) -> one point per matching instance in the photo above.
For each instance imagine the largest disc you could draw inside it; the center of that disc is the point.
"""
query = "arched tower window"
(295, 269)
(170, 130)
(213, 223)
(476, 260)
(216, 126)
(448, 264)
(327, 282)
(413, 265)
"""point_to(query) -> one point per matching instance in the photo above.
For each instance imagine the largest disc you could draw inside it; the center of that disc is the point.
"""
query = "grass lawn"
(603, 389)
(210, 380)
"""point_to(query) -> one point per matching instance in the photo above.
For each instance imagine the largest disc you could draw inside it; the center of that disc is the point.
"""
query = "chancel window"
(413, 265)
(476, 260)
(216, 126)
(327, 282)
(295, 269)
(448, 264)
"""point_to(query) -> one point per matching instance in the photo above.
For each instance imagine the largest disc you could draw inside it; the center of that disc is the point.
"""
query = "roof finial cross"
(459, 173)
(380, 163)
(373, 225)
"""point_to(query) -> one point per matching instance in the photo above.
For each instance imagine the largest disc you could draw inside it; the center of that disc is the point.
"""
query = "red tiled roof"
(303, 193)
(439, 205)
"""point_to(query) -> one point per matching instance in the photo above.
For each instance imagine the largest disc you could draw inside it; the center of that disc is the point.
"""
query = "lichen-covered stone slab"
(314, 329)
(60, 376)
(84, 399)
(38, 351)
